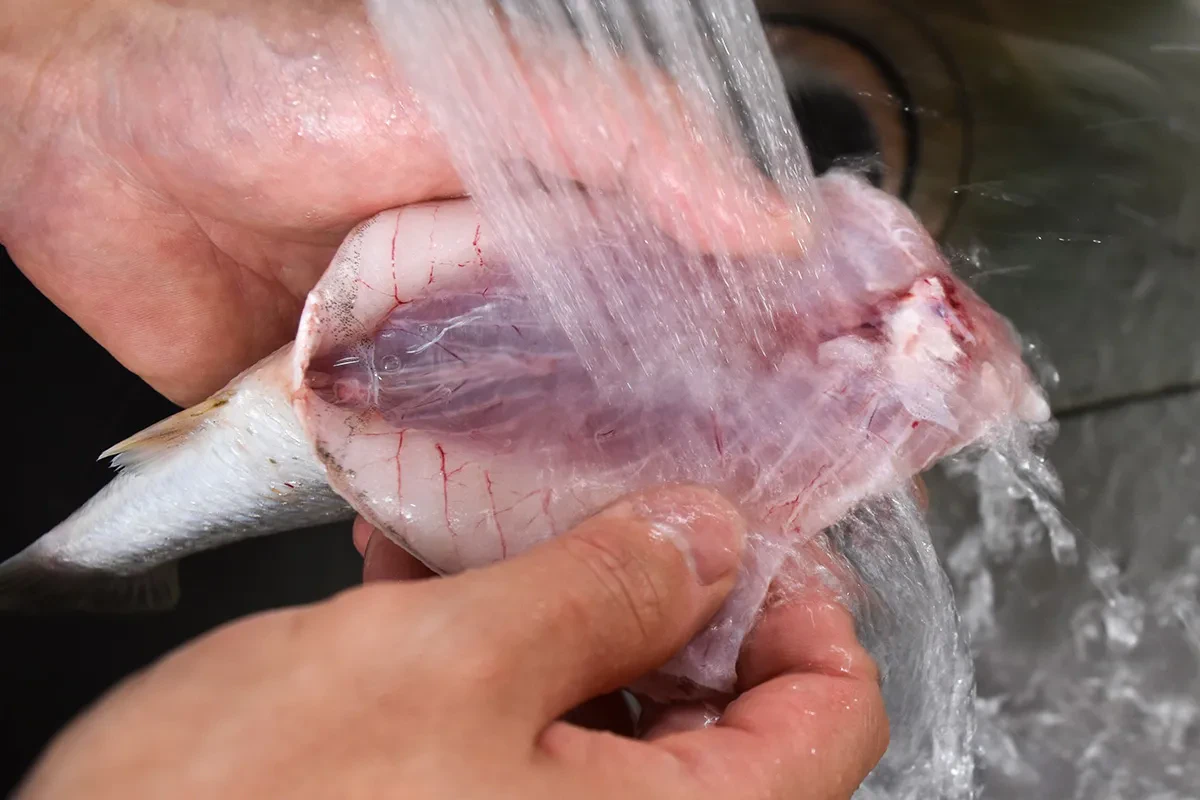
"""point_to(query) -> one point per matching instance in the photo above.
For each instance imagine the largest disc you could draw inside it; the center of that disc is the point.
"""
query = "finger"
(805, 626)
(588, 612)
(663, 720)
(783, 640)
(799, 735)
(643, 133)
(811, 721)
(626, 125)
(384, 560)
(361, 534)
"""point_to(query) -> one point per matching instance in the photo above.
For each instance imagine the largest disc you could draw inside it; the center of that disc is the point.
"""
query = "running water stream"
(674, 260)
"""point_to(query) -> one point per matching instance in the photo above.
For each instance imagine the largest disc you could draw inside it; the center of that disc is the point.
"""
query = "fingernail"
(377, 546)
(701, 523)
(361, 535)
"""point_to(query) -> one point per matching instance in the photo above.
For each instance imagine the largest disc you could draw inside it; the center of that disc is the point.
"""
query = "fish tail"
(234, 466)
(31, 583)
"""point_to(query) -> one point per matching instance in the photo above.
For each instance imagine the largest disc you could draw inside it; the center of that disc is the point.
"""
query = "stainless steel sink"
(1054, 147)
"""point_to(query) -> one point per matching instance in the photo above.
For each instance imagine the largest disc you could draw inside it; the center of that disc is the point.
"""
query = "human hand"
(456, 687)
(176, 177)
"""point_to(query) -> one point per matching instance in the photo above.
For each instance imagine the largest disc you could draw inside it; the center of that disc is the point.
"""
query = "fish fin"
(30, 585)
(162, 436)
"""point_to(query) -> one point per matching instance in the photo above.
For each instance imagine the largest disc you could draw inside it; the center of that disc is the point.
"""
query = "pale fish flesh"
(424, 393)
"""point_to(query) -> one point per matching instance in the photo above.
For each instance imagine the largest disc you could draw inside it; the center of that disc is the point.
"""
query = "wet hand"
(458, 687)
(175, 177)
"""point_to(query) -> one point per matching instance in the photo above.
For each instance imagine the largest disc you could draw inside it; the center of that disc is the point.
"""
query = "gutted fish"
(424, 392)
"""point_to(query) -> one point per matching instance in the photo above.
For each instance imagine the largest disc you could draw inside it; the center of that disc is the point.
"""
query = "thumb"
(592, 610)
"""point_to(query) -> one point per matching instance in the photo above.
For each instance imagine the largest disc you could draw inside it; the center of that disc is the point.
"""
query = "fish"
(425, 392)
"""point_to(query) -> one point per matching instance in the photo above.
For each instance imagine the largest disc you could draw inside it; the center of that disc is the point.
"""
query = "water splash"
(907, 620)
(1089, 674)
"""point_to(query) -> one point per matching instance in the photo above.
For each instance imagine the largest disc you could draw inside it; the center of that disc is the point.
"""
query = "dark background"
(66, 400)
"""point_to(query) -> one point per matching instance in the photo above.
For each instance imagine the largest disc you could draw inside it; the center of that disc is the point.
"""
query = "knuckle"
(458, 644)
(370, 602)
(357, 622)
(618, 576)
(476, 670)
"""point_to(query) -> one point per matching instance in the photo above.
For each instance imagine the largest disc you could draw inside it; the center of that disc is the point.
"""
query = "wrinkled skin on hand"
(390, 690)
(177, 176)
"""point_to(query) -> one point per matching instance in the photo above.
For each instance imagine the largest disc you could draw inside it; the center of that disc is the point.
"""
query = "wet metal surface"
(1055, 147)
(1088, 671)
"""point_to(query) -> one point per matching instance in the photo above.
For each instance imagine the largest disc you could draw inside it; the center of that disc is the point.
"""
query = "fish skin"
(237, 465)
(240, 466)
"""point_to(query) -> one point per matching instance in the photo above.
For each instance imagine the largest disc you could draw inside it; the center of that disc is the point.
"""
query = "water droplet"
(1124, 620)
(1189, 456)
(390, 363)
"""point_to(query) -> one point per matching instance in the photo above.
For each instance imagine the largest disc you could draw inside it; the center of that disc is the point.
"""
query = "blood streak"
(546, 495)
(718, 437)
(431, 230)
(369, 286)
(962, 323)
(790, 505)
(475, 244)
(395, 279)
(446, 475)
(487, 476)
